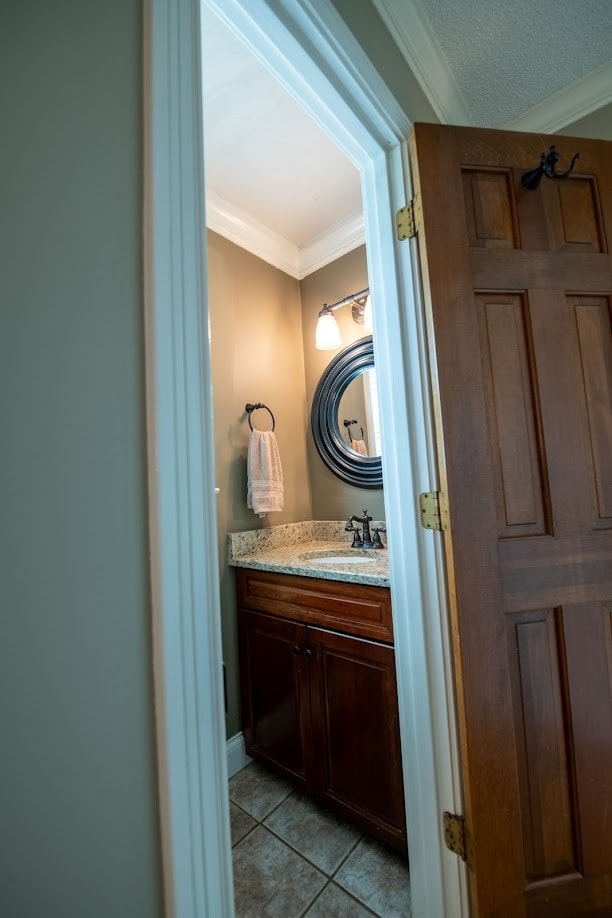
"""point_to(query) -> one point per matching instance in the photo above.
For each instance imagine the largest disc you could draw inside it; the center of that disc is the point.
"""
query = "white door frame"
(309, 48)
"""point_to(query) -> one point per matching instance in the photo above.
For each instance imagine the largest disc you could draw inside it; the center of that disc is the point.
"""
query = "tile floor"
(294, 858)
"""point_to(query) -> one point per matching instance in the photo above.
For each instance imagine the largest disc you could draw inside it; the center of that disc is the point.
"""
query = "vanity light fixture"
(327, 334)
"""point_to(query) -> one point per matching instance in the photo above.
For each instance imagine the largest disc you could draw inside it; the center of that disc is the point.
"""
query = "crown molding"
(339, 239)
(243, 230)
(571, 103)
(423, 54)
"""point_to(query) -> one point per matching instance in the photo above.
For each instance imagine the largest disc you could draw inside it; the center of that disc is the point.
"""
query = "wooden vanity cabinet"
(274, 682)
(320, 705)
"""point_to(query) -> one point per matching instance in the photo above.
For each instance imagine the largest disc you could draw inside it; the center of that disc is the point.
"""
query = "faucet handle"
(376, 539)
(357, 543)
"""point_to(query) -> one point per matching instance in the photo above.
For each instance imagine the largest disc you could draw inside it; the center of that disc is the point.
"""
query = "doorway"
(280, 177)
(348, 100)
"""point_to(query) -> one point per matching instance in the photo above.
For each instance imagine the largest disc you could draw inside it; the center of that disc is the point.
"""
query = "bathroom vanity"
(318, 688)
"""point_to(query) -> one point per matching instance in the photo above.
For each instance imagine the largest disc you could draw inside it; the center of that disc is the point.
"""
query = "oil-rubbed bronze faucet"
(368, 541)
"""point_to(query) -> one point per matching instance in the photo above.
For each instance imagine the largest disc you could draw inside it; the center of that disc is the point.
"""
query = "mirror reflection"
(358, 418)
(345, 419)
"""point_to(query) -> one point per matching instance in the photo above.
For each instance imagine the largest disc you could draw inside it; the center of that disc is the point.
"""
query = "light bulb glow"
(327, 334)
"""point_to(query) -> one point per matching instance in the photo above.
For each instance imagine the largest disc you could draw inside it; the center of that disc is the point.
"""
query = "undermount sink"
(345, 556)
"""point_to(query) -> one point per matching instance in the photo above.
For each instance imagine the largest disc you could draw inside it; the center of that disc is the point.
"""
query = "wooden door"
(355, 724)
(518, 287)
(274, 692)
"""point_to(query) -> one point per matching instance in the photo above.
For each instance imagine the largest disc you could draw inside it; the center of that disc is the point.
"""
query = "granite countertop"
(309, 550)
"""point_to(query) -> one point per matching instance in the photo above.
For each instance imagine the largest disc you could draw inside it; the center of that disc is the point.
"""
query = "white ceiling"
(267, 161)
(279, 187)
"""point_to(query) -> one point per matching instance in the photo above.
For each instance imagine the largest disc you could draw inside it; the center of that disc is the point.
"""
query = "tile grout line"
(344, 890)
(284, 800)
(345, 859)
(253, 827)
(349, 895)
(305, 857)
(301, 854)
(265, 816)
(318, 896)
(246, 835)
(357, 901)
(329, 878)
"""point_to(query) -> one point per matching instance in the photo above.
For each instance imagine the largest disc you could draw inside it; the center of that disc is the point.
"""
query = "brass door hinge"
(454, 833)
(407, 220)
(434, 510)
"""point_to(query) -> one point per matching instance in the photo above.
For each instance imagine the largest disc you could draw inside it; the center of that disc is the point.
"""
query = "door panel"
(521, 488)
(518, 289)
(592, 318)
(354, 711)
(274, 688)
(543, 760)
(587, 641)
(574, 215)
(489, 210)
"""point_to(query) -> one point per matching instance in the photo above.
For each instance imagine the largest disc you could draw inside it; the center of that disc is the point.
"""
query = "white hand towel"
(264, 473)
(359, 447)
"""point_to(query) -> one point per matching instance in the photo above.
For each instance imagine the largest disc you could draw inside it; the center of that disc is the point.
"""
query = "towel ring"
(249, 408)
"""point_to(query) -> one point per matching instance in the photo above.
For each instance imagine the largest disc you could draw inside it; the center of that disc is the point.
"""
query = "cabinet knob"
(296, 651)
(308, 653)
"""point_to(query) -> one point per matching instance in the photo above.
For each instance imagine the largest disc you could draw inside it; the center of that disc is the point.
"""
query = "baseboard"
(236, 755)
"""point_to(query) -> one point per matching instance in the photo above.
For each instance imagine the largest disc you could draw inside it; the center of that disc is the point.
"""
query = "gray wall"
(257, 356)
(333, 499)
(597, 125)
(370, 31)
(78, 814)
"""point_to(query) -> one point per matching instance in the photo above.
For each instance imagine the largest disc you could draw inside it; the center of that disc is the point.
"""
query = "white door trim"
(310, 49)
(184, 568)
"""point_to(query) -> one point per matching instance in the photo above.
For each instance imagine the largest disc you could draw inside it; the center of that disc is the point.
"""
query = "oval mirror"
(344, 417)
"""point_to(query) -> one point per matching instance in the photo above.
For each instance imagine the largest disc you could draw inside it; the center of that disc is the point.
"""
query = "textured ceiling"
(508, 55)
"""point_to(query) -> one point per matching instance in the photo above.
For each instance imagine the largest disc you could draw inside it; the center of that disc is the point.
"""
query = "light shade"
(327, 334)
(367, 314)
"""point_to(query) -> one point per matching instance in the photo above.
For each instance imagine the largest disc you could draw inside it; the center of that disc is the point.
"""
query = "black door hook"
(547, 167)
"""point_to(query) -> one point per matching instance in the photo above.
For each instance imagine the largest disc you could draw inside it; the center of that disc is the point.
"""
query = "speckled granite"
(289, 549)
(256, 540)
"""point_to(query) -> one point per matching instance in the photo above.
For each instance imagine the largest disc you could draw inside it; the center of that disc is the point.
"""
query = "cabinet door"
(355, 726)
(274, 689)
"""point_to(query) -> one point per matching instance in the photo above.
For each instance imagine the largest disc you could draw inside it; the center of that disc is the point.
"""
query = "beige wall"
(257, 356)
(262, 336)
(332, 499)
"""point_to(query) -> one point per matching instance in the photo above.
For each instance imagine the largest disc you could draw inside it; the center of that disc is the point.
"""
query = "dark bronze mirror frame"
(361, 471)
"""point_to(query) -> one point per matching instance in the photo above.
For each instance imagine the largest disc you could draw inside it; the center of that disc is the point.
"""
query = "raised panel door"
(519, 290)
